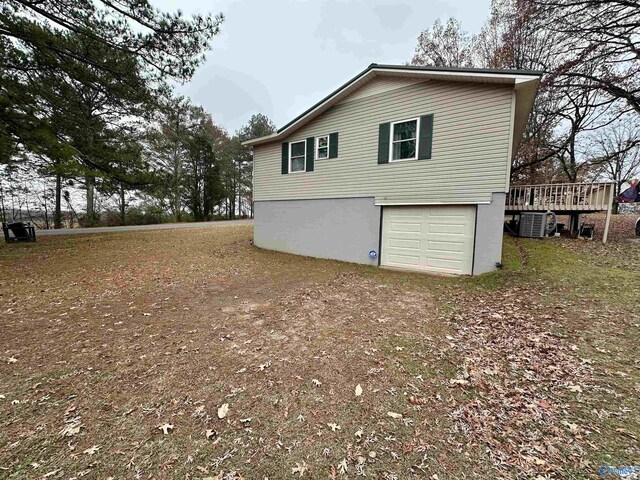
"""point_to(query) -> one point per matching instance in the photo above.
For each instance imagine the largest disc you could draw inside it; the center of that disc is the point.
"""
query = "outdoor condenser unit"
(533, 224)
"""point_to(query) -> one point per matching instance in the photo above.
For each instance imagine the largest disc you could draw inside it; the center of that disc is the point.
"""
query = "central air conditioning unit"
(534, 224)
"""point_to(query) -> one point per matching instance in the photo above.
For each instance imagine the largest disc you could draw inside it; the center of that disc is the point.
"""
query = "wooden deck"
(562, 199)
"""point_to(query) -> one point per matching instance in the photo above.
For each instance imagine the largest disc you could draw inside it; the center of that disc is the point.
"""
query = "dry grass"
(121, 333)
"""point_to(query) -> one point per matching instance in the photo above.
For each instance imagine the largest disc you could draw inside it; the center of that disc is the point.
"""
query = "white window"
(404, 140)
(297, 156)
(322, 147)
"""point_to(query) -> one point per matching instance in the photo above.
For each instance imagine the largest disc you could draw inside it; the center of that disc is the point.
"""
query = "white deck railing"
(557, 197)
(563, 198)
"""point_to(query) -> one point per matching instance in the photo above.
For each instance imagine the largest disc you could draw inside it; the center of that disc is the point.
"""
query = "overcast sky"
(279, 57)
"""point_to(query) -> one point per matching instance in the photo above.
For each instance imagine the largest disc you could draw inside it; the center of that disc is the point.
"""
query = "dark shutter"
(285, 157)
(426, 137)
(310, 153)
(383, 143)
(333, 145)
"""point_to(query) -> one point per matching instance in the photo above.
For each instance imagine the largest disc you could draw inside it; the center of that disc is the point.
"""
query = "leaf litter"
(514, 375)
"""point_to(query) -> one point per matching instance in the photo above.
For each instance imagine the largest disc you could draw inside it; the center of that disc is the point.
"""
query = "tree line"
(87, 105)
(585, 123)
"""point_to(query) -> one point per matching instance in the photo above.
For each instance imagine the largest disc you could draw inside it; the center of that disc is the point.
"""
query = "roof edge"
(375, 66)
(505, 71)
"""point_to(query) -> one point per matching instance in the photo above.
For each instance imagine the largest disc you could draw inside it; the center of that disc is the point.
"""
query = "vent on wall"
(533, 224)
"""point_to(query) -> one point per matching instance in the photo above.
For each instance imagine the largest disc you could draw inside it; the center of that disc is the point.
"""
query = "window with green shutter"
(285, 158)
(405, 139)
(297, 156)
(425, 139)
(326, 146)
(322, 147)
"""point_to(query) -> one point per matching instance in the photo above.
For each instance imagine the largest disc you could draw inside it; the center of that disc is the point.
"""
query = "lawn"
(120, 353)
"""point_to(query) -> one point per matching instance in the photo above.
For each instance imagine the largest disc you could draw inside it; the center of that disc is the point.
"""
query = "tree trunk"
(90, 218)
(122, 205)
(57, 215)
(2, 212)
(45, 205)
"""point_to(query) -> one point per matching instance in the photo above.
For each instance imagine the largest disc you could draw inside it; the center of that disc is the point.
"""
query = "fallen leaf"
(458, 381)
(334, 426)
(544, 404)
(71, 430)
(300, 469)
(535, 460)
(92, 450)
(166, 428)
(223, 410)
(573, 428)
(626, 432)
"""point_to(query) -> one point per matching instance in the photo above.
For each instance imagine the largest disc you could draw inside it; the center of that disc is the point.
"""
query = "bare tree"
(444, 45)
(616, 153)
(599, 44)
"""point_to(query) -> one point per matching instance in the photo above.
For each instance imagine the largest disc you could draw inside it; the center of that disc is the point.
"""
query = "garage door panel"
(445, 266)
(448, 247)
(400, 260)
(404, 243)
(448, 229)
(429, 238)
(414, 227)
(408, 214)
(446, 211)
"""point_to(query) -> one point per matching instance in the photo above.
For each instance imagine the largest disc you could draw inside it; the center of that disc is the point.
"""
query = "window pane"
(323, 152)
(406, 149)
(322, 142)
(405, 130)
(297, 149)
(297, 164)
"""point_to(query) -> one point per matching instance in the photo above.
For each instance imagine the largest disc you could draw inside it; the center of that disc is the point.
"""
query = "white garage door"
(431, 239)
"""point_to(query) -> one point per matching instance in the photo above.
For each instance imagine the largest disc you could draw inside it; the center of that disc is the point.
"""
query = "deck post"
(607, 221)
(574, 223)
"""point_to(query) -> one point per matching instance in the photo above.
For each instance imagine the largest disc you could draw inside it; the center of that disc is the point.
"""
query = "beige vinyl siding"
(469, 158)
(380, 85)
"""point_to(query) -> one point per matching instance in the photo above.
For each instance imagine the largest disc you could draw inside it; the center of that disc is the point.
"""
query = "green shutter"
(333, 145)
(426, 137)
(383, 142)
(285, 157)
(310, 153)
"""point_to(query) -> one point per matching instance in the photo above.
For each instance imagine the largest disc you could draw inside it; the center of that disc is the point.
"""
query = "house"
(402, 166)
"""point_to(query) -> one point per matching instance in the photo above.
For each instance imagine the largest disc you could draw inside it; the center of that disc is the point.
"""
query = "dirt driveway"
(197, 355)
